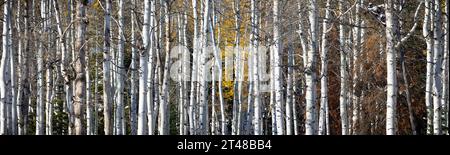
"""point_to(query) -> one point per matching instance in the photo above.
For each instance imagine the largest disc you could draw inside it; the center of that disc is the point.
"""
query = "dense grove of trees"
(226, 67)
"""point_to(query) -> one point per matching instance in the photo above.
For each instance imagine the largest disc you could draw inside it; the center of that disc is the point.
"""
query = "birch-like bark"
(194, 73)
(71, 83)
(49, 75)
(95, 106)
(134, 72)
(203, 104)
(158, 70)
(290, 91)
(437, 60)
(80, 77)
(277, 69)
(445, 71)
(186, 69)
(107, 91)
(120, 112)
(164, 105)
(356, 68)
(89, 102)
(61, 48)
(148, 57)
(323, 74)
(3, 67)
(310, 71)
(40, 113)
(303, 43)
(391, 103)
(16, 101)
(428, 35)
(218, 64)
(237, 83)
(257, 121)
(181, 88)
(343, 100)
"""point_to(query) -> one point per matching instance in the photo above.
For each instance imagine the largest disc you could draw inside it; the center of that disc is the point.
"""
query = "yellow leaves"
(96, 5)
(228, 89)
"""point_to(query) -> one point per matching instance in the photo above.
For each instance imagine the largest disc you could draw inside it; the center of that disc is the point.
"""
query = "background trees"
(380, 71)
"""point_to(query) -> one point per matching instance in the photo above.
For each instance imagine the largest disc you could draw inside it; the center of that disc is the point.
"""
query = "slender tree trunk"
(343, 100)
(356, 68)
(237, 100)
(120, 112)
(186, 68)
(203, 104)
(257, 122)
(89, 104)
(391, 113)
(3, 67)
(16, 107)
(437, 77)
(49, 75)
(181, 89)
(193, 99)
(164, 105)
(71, 82)
(323, 74)
(107, 90)
(95, 106)
(277, 69)
(427, 28)
(218, 64)
(149, 50)
(40, 113)
(80, 76)
(445, 71)
(134, 72)
(290, 91)
(310, 71)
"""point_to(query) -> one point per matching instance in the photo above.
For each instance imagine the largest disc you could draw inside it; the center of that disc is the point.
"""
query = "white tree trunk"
(143, 72)
(107, 90)
(445, 71)
(89, 103)
(237, 83)
(278, 78)
(49, 77)
(218, 64)
(164, 104)
(257, 122)
(16, 100)
(80, 81)
(134, 73)
(193, 99)
(427, 28)
(40, 114)
(203, 104)
(3, 68)
(290, 92)
(391, 103)
(323, 74)
(343, 99)
(71, 83)
(151, 90)
(120, 112)
(356, 67)
(310, 71)
(437, 60)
